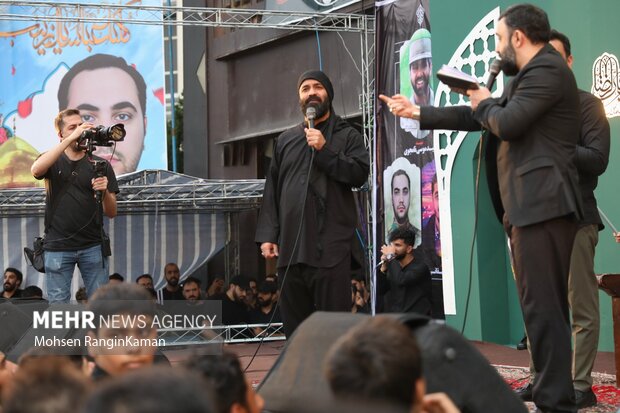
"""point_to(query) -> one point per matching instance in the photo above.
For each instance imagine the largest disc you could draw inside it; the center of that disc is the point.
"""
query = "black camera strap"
(102, 232)
(100, 197)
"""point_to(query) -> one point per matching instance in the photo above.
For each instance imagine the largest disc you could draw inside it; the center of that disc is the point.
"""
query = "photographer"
(73, 214)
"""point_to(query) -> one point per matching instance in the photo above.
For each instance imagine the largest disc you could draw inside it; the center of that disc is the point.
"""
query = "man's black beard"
(7, 287)
(400, 257)
(509, 61)
(402, 220)
(173, 282)
(321, 106)
(264, 304)
(424, 90)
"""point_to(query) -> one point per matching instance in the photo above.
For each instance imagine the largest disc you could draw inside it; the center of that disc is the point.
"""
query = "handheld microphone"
(311, 115)
(388, 258)
(496, 66)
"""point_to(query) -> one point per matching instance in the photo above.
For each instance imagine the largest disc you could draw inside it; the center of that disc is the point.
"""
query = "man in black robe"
(308, 216)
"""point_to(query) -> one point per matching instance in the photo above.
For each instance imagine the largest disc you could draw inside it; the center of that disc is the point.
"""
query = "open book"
(456, 79)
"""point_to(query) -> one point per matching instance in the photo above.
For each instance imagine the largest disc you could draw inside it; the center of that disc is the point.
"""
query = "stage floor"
(268, 353)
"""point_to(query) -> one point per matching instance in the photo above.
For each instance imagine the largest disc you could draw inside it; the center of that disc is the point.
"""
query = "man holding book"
(533, 130)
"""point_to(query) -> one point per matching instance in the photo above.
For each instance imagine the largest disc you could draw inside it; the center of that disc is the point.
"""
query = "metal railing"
(239, 333)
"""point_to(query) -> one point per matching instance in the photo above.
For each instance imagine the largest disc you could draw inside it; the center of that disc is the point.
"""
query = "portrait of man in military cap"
(417, 53)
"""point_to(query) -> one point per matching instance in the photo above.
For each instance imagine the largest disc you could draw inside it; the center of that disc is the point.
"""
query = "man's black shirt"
(167, 295)
(16, 294)
(232, 312)
(409, 288)
(73, 224)
(256, 316)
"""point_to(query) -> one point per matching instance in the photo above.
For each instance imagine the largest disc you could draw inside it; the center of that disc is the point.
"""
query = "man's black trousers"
(307, 289)
(541, 258)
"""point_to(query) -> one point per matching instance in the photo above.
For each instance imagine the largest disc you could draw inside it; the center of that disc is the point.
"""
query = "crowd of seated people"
(245, 300)
(126, 379)
(376, 366)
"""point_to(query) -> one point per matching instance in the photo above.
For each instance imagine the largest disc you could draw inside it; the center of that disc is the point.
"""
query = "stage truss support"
(49, 11)
(148, 191)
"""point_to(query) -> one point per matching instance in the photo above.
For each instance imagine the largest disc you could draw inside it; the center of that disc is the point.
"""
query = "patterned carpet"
(607, 394)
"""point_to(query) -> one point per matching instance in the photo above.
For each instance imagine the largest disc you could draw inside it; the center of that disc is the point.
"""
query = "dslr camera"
(102, 136)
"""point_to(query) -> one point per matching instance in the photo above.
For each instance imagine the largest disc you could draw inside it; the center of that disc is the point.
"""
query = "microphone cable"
(288, 266)
(494, 70)
(475, 233)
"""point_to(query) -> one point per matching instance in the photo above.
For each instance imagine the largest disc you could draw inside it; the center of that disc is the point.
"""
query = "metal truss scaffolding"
(191, 16)
(158, 193)
(154, 190)
(242, 333)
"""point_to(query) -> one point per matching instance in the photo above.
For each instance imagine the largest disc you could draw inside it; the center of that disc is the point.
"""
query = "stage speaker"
(14, 323)
(451, 365)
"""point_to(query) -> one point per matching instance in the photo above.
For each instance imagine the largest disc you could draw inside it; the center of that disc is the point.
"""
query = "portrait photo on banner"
(402, 197)
(112, 72)
(416, 80)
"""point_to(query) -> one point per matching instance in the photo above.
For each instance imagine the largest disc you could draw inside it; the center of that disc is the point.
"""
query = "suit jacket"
(532, 133)
(592, 153)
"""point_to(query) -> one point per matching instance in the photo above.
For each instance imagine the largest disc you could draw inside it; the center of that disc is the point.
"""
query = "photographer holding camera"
(80, 189)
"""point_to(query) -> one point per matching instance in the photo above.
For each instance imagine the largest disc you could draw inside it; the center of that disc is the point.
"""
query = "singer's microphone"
(496, 66)
(388, 258)
(311, 115)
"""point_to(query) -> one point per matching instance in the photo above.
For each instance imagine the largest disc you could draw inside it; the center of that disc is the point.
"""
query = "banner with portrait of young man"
(88, 58)
(405, 168)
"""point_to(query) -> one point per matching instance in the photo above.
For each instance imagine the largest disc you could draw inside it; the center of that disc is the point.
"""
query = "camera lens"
(116, 132)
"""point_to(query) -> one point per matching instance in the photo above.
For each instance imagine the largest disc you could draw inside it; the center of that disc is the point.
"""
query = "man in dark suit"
(533, 131)
(591, 161)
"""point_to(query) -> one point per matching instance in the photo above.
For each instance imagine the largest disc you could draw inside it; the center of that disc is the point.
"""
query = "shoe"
(525, 392)
(585, 399)
(522, 345)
